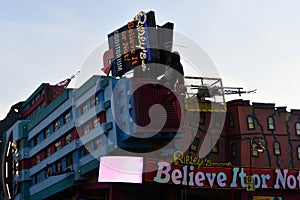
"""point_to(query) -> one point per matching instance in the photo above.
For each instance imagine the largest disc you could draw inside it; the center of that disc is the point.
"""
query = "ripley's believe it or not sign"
(135, 44)
(193, 172)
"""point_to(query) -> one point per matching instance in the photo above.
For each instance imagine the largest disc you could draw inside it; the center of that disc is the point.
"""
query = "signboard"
(250, 184)
(137, 43)
(222, 177)
(131, 43)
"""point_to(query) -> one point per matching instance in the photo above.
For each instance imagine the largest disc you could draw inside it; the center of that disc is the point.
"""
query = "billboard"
(137, 43)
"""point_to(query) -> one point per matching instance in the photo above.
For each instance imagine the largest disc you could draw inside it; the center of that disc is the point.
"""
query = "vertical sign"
(136, 44)
(131, 43)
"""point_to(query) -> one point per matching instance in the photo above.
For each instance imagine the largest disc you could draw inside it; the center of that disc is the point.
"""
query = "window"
(57, 145)
(37, 178)
(233, 149)
(218, 121)
(87, 149)
(86, 129)
(202, 118)
(97, 143)
(68, 138)
(69, 160)
(36, 140)
(46, 133)
(250, 122)
(47, 152)
(195, 144)
(37, 159)
(48, 171)
(58, 167)
(231, 120)
(120, 95)
(298, 152)
(271, 124)
(84, 109)
(277, 148)
(56, 125)
(94, 101)
(215, 149)
(254, 150)
(67, 117)
(122, 110)
(298, 128)
(96, 122)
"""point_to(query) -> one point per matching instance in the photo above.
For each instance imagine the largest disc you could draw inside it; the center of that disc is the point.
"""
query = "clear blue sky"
(254, 44)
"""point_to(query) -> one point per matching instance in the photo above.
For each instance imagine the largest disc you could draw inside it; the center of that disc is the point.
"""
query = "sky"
(253, 44)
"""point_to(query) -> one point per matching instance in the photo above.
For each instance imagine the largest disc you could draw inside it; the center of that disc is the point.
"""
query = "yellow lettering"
(130, 25)
(143, 55)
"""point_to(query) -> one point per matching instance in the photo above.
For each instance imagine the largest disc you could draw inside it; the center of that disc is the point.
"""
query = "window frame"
(231, 120)
(250, 123)
(277, 148)
(216, 148)
(271, 123)
(297, 129)
(195, 144)
(298, 152)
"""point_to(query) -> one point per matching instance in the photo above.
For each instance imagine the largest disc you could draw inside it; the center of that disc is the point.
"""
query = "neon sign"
(137, 43)
(131, 44)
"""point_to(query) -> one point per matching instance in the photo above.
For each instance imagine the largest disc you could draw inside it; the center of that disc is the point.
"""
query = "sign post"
(250, 184)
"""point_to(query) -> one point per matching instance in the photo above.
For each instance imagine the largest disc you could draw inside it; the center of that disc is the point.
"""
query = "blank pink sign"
(121, 169)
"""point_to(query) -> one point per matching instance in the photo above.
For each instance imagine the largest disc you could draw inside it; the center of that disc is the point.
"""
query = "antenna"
(67, 81)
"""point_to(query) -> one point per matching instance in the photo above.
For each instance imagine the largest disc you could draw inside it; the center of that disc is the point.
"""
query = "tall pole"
(250, 155)
(250, 160)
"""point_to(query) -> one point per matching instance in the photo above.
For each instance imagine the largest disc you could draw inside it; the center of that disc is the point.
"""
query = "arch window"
(215, 149)
(250, 122)
(277, 150)
(231, 120)
(298, 128)
(254, 150)
(271, 123)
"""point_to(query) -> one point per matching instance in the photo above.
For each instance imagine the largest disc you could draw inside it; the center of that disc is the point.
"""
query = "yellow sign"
(250, 184)
(181, 159)
(249, 179)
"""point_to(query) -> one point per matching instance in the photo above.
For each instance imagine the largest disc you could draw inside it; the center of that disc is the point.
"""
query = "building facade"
(52, 142)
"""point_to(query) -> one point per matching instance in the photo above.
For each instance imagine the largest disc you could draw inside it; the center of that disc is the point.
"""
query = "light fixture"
(260, 147)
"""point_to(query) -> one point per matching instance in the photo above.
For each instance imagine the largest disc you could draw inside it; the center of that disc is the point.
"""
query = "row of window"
(90, 103)
(65, 164)
(93, 145)
(276, 146)
(195, 144)
(50, 129)
(35, 99)
(91, 124)
(215, 149)
(60, 166)
(270, 123)
(57, 145)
